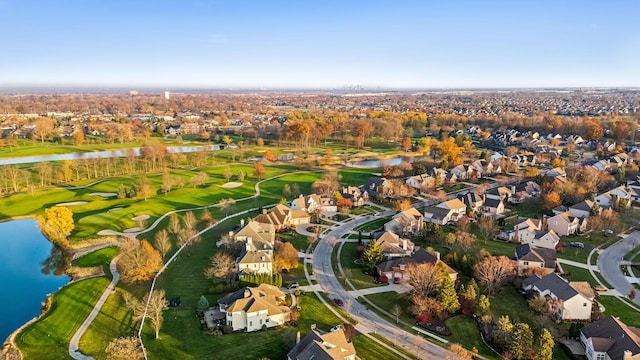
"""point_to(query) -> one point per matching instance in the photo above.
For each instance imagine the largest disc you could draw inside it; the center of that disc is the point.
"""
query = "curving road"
(368, 321)
(609, 262)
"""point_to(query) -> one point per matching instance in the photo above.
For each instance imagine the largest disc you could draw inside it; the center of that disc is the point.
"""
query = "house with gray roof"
(609, 338)
(575, 298)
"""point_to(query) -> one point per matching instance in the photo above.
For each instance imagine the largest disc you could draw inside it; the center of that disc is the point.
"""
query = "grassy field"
(49, 337)
(354, 272)
(373, 225)
(617, 308)
(579, 274)
(386, 300)
(368, 349)
(100, 257)
(574, 254)
(465, 332)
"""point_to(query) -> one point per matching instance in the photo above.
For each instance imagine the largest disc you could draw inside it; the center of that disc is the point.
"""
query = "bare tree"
(157, 304)
(163, 242)
(227, 173)
(425, 279)
(189, 220)
(226, 205)
(221, 265)
(493, 271)
(124, 348)
(487, 227)
(396, 311)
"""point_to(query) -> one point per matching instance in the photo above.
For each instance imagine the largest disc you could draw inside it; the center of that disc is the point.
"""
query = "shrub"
(227, 329)
(264, 327)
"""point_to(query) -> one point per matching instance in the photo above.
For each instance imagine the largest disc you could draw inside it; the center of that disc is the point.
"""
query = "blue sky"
(401, 44)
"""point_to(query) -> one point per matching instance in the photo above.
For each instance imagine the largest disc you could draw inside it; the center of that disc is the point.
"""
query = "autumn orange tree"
(140, 264)
(287, 257)
(56, 224)
(551, 200)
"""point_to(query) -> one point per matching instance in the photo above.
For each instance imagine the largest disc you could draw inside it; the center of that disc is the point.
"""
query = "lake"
(25, 259)
(100, 154)
(379, 163)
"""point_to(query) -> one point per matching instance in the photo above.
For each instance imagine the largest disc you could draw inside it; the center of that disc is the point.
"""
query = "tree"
(531, 172)
(56, 224)
(464, 239)
(545, 346)
(174, 223)
(447, 295)
(483, 305)
(43, 128)
(163, 242)
(373, 255)
(396, 311)
(167, 183)
(425, 279)
(199, 179)
(551, 200)
(459, 353)
(406, 144)
(144, 188)
(140, 264)
(487, 227)
(241, 176)
(221, 265)
(258, 170)
(493, 271)
(594, 131)
(522, 342)
(504, 328)
(226, 205)
(157, 304)
(203, 304)
(189, 220)
(287, 256)
(124, 348)
(78, 138)
(227, 173)
(206, 218)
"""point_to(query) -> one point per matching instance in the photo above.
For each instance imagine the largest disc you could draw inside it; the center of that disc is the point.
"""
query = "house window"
(584, 304)
(250, 323)
(600, 357)
(260, 321)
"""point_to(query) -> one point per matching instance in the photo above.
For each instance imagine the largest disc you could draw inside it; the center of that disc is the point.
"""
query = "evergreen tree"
(203, 304)
(522, 341)
(470, 292)
(373, 255)
(483, 305)
(545, 346)
(448, 296)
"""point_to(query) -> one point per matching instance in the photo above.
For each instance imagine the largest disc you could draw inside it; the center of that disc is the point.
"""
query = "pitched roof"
(532, 253)
(613, 337)
(452, 204)
(585, 205)
(251, 257)
(319, 346)
(438, 212)
(557, 286)
(492, 203)
(260, 298)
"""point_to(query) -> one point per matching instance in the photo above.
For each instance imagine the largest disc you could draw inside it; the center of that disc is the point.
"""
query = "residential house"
(603, 164)
(566, 223)
(613, 197)
(500, 193)
(396, 268)
(575, 298)
(251, 308)
(408, 221)
(618, 161)
(254, 262)
(439, 175)
(547, 239)
(610, 339)
(533, 259)
(313, 202)
(281, 217)
(463, 172)
(524, 230)
(484, 167)
(584, 208)
(450, 178)
(317, 345)
(378, 186)
(525, 190)
(472, 201)
(394, 246)
(259, 236)
(493, 207)
(421, 182)
(358, 196)
(445, 212)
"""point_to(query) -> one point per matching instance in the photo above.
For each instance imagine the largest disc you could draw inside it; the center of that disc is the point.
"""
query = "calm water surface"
(27, 265)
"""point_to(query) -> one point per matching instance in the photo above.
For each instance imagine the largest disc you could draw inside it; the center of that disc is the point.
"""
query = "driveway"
(610, 260)
(368, 321)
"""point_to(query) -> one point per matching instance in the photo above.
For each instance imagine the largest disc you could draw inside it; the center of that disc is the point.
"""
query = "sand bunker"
(140, 217)
(73, 203)
(132, 230)
(231, 185)
(114, 209)
(103, 194)
(108, 232)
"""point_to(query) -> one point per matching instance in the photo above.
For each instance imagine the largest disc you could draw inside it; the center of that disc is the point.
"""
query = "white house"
(532, 259)
(566, 223)
(394, 246)
(613, 197)
(445, 212)
(250, 308)
(408, 221)
(323, 346)
(575, 298)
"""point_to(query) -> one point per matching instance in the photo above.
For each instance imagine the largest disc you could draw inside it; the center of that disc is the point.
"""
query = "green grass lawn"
(100, 257)
(465, 332)
(579, 274)
(373, 225)
(298, 241)
(114, 320)
(354, 272)
(386, 300)
(574, 254)
(49, 337)
(617, 308)
(368, 349)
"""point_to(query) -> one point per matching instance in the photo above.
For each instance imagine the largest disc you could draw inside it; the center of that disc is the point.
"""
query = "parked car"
(600, 288)
(577, 244)
(337, 327)
(338, 302)
(294, 285)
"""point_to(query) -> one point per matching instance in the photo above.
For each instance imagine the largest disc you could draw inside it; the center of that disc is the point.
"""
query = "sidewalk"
(399, 288)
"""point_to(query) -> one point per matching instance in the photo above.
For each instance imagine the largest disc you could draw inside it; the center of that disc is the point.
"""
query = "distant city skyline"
(328, 44)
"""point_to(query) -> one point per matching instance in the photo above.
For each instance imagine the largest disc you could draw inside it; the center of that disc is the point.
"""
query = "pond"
(379, 163)
(28, 270)
(101, 154)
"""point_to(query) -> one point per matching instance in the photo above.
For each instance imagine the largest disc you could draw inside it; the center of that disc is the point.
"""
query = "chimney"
(404, 244)
(264, 211)
(247, 293)
(241, 222)
(437, 253)
(297, 338)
